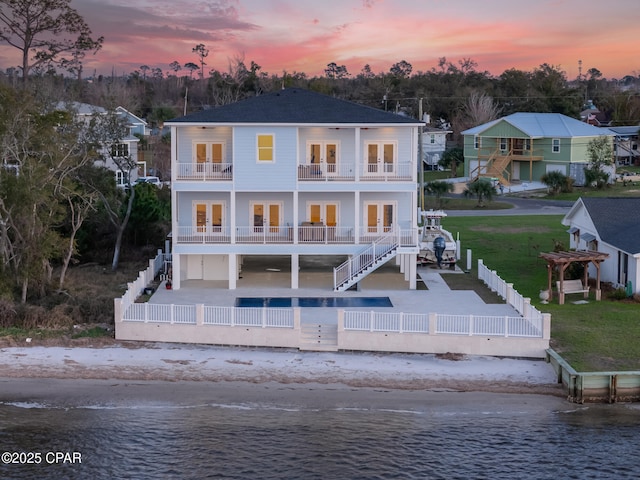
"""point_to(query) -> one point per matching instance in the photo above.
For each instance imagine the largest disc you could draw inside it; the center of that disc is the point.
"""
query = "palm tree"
(481, 188)
(438, 189)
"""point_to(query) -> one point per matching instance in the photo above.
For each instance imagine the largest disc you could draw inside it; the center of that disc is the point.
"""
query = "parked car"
(152, 180)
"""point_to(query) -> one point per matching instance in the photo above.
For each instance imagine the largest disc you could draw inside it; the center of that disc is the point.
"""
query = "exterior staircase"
(496, 167)
(365, 261)
(318, 337)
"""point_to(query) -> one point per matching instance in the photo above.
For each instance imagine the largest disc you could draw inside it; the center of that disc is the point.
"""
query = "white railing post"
(506, 326)
(371, 320)
(470, 325)
(400, 321)
(264, 317)
(146, 312)
(526, 308)
(546, 326)
(433, 323)
(200, 314)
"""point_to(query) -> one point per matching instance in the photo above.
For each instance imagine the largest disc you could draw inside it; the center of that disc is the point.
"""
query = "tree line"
(58, 202)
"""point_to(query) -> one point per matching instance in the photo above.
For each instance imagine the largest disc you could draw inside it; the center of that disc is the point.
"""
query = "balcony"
(346, 172)
(307, 234)
(386, 172)
(205, 171)
(327, 172)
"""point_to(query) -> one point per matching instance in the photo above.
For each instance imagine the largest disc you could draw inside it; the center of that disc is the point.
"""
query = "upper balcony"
(205, 171)
(350, 172)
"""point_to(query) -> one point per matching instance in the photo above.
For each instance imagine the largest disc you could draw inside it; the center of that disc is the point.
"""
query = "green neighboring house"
(522, 147)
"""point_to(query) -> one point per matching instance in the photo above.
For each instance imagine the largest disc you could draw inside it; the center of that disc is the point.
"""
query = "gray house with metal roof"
(524, 146)
(293, 173)
(609, 225)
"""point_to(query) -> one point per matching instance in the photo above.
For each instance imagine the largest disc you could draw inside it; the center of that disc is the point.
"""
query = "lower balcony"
(204, 171)
(307, 233)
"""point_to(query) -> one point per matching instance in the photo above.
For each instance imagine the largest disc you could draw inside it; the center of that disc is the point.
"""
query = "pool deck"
(437, 298)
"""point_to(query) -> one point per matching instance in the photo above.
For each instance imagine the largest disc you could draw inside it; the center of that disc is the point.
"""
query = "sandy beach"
(131, 361)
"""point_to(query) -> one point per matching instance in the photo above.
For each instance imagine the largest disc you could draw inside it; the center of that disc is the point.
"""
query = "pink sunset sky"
(304, 36)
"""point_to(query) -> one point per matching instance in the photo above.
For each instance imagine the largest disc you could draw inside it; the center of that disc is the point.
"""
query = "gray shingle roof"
(544, 125)
(295, 106)
(617, 221)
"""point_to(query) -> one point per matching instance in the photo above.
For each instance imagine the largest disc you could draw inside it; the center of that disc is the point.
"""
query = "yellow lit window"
(265, 148)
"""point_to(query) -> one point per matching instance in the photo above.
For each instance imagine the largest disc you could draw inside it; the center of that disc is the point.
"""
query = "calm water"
(269, 439)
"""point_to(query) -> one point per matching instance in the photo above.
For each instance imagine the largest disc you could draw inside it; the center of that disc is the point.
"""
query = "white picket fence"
(209, 315)
(531, 323)
(521, 304)
(444, 324)
(145, 278)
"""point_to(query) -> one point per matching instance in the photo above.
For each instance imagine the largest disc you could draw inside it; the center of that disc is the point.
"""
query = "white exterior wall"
(277, 182)
(251, 175)
(610, 268)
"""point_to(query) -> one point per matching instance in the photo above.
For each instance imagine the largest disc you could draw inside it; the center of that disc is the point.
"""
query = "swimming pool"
(306, 302)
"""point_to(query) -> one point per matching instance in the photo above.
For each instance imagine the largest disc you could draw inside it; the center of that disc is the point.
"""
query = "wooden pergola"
(562, 260)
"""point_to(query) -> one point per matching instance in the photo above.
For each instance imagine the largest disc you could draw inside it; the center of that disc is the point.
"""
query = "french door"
(209, 153)
(381, 158)
(266, 217)
(325, 155)
(379, 217)
(324, 213)
(208, 216)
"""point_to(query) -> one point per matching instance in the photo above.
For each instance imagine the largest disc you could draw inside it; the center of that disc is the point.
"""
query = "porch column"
(175, 272)
(356, 229)
(296, 219)
(413, 270)
(232, 215)
(295, 270)
(233, 271)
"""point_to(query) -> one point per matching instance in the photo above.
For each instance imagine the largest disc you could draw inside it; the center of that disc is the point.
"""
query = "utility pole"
(420, 159)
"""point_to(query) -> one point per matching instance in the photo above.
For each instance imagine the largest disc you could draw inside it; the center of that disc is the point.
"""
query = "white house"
(293, 173)
(129, 146)
(434, 144)
(609, 225)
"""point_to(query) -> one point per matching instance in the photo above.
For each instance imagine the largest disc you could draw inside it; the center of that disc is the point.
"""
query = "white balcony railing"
(208, 234)
(306, 234)
(387, 171)
(205, 171)
(324, 172)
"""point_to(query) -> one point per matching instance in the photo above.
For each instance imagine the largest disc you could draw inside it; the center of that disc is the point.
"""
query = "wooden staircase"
(496, 167)
(365, 261)
(318, 337)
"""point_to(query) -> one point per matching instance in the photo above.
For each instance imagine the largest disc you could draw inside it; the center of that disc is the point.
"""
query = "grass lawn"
(615, 190)
(598, 336)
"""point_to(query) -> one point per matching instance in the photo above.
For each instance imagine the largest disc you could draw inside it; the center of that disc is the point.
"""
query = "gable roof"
(544, 125)
(617, 221)
(295, 106)
(80, 108)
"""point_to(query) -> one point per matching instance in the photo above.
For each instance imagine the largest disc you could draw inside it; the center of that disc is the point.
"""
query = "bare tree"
(479, 108)
(50, 28)
(110, 130)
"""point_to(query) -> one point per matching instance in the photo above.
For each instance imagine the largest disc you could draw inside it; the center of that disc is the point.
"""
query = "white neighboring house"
(129, 146)
(292, 173)
(609, 225)
(434, 144)
(626, 144)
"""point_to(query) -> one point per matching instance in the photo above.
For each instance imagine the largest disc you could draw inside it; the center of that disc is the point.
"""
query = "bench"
(573, 286)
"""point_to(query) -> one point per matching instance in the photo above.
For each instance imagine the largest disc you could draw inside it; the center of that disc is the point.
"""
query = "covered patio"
(562, 260)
